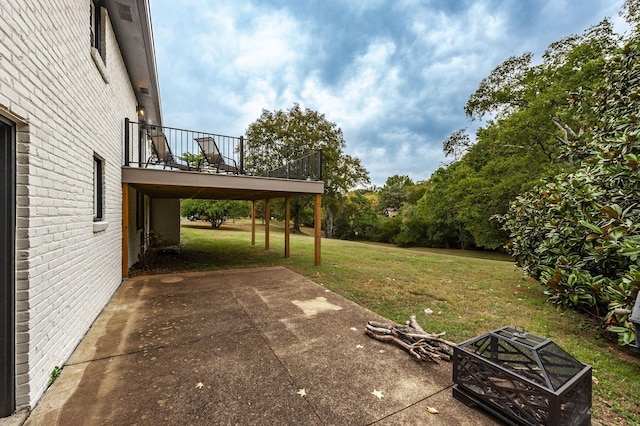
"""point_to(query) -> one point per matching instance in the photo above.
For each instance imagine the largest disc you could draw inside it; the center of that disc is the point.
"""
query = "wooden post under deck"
(317, 224)
(125, 230)
(287, 229)
(253, 222)
(267, 218)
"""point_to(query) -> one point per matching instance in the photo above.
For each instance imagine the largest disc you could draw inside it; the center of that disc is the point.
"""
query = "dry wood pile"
(410, 336)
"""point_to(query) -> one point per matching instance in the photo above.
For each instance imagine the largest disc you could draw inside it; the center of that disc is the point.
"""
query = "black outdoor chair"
(214, 159)
(161, 153)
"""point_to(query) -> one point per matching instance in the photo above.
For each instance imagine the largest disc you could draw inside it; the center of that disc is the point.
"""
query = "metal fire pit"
(523, 379)
(635, 319)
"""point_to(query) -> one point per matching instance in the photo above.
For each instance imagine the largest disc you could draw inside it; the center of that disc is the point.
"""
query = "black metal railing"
(171, 148)
(164, 147)
(308, 167)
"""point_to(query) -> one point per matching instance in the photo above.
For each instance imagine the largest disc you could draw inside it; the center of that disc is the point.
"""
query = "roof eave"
(131, 22)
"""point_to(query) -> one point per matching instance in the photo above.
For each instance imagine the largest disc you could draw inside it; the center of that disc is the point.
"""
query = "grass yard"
(469, 294)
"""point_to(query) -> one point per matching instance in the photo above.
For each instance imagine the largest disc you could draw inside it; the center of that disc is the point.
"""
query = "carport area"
(251, 346)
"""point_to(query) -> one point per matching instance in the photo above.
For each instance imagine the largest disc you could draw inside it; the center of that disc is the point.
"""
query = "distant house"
(81, 182)
(391, 212)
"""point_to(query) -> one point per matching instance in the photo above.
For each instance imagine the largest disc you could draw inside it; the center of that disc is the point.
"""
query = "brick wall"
(66, 272)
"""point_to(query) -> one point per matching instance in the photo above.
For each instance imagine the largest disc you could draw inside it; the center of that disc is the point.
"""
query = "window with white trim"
(98, 189)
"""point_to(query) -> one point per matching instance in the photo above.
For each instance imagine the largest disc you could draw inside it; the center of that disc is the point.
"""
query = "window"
(98, 189)
(95, 26)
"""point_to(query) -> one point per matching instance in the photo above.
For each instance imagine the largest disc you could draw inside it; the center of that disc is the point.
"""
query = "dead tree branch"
(412, 337)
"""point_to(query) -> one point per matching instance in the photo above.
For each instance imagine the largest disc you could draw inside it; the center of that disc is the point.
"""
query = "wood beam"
(317, 224)
(253, 222)
(267, 218)
(287, 228)
(125, 230)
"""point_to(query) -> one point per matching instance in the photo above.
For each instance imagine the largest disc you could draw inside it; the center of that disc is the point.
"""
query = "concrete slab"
(252, 346)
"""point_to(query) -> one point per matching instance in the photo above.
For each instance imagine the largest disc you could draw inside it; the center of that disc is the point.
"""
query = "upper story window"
(95, 26)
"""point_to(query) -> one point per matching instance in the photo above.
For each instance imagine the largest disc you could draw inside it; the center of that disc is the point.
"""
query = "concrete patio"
(252, 346)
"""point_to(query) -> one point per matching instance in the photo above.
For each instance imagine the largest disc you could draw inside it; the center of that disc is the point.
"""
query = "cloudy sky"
(394, 75)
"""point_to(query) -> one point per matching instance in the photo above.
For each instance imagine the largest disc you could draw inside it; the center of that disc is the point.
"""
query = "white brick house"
(65, 88)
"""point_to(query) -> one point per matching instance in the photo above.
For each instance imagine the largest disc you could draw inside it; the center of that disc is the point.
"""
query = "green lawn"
(469, 294)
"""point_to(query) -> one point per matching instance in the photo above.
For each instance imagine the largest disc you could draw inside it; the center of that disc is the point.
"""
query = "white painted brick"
(65, 273)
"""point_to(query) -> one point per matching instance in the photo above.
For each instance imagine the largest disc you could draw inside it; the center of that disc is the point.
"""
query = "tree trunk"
(329, 223)
(295, 214)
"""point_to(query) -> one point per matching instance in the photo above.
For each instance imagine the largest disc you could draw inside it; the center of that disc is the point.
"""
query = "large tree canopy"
(283, 135)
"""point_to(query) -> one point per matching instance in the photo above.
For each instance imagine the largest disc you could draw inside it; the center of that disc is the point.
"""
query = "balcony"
(166, 162)
(170, 148)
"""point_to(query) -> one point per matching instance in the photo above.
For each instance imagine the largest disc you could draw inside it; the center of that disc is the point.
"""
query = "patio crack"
(410, 405)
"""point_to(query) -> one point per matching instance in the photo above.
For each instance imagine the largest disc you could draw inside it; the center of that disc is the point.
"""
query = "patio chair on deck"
(213, 158)
(161, 153)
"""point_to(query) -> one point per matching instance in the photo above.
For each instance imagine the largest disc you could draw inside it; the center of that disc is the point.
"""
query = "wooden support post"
(267, 218)
(253, 222)
(125, 230)
(317, 224)
(287, 228)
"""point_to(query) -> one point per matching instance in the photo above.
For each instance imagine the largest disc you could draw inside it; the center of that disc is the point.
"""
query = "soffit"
(131, 22)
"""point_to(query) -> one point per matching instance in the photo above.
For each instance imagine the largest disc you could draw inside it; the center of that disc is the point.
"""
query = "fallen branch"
(412, 337)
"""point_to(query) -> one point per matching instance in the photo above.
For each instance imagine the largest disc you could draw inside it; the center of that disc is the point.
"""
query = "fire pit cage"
(635, 319)
(522, 379)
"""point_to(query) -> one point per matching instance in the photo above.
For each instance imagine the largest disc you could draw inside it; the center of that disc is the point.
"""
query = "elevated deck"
(159, 183)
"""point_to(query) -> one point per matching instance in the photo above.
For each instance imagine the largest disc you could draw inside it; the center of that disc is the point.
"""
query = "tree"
(520, 144)
(357, 219)
(503, 91)
(215, 211)
(579, 233)
(394, 193)
(435, 221)
(457, 144)
(283, 135)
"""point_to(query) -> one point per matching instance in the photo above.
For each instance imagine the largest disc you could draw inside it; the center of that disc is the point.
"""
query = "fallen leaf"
(431, 410)
(378, 393)
(302, 392)
(199, 385)
(595, 380)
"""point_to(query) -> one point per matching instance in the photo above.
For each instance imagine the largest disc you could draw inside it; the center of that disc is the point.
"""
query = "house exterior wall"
(165, 219)
(74, 105)
(136, 225)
